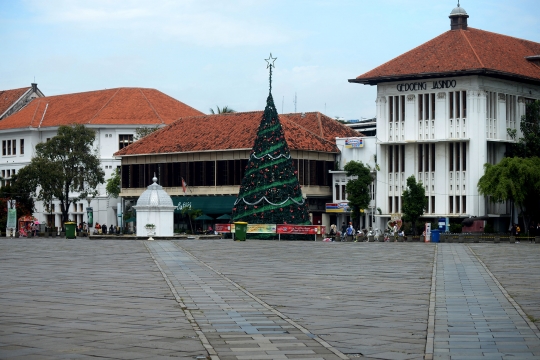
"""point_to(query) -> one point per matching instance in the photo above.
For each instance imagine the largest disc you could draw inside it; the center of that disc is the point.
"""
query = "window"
(4, 149)
(433, 204)
(396, 108)
(343, 192)
(420, 157)
(390, 205)
(451, 204)
(464, 202)
(22, 146)
(457, 205)
(463, 157)
(14, 146)
(451, 156)
(124, 140)
(337, 192)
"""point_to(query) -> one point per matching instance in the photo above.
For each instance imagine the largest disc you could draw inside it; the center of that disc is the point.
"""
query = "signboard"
(427, 232)
(223, 228)
(354, 143)
(338, 207)
(261, 228)
(273, 229)
(423, 85)
(297, 229)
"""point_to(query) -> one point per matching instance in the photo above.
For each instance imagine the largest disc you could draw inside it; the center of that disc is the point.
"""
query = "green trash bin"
(240, 230)
(70, 230)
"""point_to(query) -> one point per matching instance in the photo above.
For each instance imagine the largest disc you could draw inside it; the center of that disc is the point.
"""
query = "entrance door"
(317, 219)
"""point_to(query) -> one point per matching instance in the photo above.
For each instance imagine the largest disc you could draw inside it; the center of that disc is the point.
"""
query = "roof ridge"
(107, 103)
(152, 107)
(472, 48)
(35, 111)
(320, 122)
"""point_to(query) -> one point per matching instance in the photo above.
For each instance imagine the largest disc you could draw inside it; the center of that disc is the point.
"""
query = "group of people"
(534, 230)
(348, 233)
(102, 229)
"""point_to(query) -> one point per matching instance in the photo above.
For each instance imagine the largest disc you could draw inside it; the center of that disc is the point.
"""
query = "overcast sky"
(211, 52)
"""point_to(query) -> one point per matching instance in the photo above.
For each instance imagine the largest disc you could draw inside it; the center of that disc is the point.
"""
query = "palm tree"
(223, 110)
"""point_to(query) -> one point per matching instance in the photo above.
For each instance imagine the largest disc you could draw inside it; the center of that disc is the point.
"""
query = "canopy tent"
(224, 217)
(203, 217)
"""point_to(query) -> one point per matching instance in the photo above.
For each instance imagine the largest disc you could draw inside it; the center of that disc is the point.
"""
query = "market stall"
(26, 223)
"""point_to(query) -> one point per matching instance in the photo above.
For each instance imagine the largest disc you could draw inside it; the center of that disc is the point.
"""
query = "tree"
(191, 214)
(413, 201)
(358, 191)
(17, 191)
(529, 144)
(515, 179)
(223, 110)
(270, 192)
(113, 184)
(141, 132)
(64, 168)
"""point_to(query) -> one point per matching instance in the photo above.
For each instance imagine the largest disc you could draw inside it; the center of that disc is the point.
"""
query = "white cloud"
(203, 23)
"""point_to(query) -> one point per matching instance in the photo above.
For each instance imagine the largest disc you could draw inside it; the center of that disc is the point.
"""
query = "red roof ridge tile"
(472, 47)
(151, 106)
(104, 105)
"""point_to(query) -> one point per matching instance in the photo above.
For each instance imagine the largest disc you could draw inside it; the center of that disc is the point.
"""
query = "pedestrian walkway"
(231, 322)
(474, 318)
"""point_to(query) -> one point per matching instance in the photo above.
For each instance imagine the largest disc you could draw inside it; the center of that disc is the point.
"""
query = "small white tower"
(155, 207)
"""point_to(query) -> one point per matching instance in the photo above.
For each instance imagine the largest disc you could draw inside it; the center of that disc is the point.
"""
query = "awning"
(213, 205)
(224, 217)
(130, 220)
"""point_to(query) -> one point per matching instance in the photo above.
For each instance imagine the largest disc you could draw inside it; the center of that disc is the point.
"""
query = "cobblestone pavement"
(263, 299)
(474, 318)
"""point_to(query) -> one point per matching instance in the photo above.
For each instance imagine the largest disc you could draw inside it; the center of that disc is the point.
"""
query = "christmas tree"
(270, 192)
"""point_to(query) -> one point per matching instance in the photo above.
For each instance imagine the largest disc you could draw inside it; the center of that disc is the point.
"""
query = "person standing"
(350, 232)
(343, 230)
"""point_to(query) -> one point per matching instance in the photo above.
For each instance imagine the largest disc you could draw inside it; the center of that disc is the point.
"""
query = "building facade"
(114, 114)
(209, 154)
(443, 110)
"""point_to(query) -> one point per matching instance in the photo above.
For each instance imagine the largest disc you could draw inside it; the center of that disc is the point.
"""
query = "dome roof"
(458, 11)
(155, 196)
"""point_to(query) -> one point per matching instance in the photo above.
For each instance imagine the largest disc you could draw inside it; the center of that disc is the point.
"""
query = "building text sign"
(424, 85)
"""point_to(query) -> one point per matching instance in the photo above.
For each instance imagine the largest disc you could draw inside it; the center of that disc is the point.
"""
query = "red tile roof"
(121, 106)
(461, 52)
(9, 97)
(311, 132)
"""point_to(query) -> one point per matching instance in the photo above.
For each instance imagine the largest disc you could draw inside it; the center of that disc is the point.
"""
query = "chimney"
(458, 18)
(34, 87)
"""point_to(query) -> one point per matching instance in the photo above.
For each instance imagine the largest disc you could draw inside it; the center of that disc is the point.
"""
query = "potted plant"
(150, 229)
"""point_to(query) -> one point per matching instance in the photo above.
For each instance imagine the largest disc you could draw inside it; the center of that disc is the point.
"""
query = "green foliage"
(113, 184)
(515, 179)
(141, 132)
(270, 192)
(529, 144)
(414, 201)
(455, 228)
(63, 166)
(358, 192)
(223, 110)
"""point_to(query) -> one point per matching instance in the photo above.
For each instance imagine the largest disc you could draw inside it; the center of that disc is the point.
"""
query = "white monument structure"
(155, 212)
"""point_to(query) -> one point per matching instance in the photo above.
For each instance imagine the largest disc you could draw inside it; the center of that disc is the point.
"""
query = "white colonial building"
(443, 110)
(114, 114)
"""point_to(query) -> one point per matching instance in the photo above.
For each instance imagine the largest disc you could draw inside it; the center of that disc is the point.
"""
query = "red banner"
(299, 229)
(223, 228)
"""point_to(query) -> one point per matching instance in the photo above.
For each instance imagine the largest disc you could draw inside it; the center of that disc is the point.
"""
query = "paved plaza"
(219, 299)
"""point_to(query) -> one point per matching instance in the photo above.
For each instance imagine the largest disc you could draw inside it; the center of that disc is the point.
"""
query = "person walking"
(343, 231)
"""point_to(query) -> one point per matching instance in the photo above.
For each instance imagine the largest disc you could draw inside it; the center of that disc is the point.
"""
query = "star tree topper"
(270, 65)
